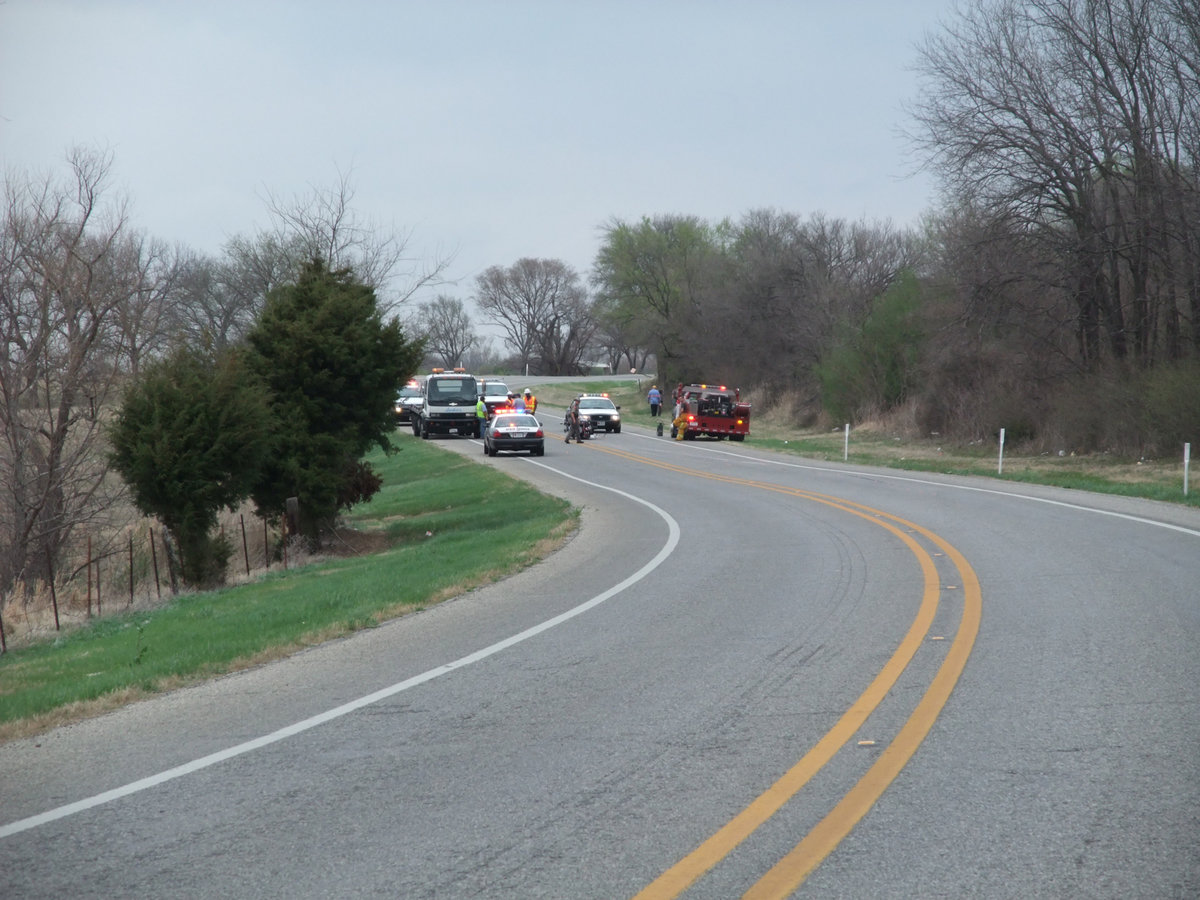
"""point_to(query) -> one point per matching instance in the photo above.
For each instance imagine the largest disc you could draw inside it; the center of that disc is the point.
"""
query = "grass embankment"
(441, 522)
(1152, 479)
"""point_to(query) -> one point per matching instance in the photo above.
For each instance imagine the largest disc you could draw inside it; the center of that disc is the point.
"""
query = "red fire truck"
(714, 410)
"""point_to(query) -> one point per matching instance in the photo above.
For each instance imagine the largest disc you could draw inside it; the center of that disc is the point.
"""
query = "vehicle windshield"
(494, 388)
(518, 421)
(711, 404)
(409, 392)
(595, 403)
(451, 390)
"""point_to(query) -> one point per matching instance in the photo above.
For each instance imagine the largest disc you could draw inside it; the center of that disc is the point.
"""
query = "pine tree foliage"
(333, 367)
(189, 440)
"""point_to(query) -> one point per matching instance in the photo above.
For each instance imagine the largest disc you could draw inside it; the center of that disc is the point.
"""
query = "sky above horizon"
(487, 130)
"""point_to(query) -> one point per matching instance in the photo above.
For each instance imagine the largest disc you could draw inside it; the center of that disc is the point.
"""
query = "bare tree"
(1074, 121)
(565, 332)
(323, 224)
(543, 309)
(621, 343)
(148, 319)
(446, 328)
(73, 281)
(219, 298)
(482, 356)
(222, 297)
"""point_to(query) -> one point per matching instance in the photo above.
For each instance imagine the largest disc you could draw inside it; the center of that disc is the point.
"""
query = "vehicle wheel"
(491, 451)
(540, 451)
(424, 430)
(737, 437)
(485, 453)
(617, 430)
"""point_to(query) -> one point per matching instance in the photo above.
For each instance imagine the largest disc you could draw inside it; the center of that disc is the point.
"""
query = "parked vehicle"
(495, 394)
(449, 405)
(604, 414)
(408, 402)
(514, 433)
(714, 411)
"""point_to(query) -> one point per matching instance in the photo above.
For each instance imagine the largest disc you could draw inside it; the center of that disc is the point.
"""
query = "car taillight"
(538, 433)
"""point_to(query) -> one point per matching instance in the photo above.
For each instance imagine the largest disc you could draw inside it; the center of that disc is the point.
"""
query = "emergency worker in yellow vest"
(530, 401)
(481, 415)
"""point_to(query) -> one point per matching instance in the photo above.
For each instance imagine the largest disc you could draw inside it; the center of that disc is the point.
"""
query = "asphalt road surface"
(746, 676)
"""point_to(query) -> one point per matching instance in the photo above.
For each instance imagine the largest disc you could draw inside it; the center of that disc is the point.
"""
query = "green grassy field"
(437, 528)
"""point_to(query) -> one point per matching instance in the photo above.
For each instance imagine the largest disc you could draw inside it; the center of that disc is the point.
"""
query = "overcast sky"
(491, 130)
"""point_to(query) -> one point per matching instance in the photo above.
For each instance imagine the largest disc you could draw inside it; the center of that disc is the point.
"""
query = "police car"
(605, 415)
(514, 432)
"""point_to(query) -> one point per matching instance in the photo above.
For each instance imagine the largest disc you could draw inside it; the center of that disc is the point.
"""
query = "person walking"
(654, 398)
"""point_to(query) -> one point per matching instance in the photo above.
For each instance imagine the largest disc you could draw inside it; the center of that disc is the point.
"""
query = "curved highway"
(746, 676)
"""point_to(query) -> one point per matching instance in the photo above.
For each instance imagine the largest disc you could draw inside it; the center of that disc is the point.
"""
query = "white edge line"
(212, 759)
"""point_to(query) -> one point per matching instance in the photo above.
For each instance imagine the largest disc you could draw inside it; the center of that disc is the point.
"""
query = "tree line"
(185, 382)
(1054, 290)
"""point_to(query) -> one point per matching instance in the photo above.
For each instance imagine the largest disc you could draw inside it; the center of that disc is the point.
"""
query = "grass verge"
(442, 522)
(1151, 479)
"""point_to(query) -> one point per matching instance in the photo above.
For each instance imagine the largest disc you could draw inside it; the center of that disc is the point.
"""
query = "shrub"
(1170, 405)
(189, 440)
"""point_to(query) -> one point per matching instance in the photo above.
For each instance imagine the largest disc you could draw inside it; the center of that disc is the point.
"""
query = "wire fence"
(137, 568)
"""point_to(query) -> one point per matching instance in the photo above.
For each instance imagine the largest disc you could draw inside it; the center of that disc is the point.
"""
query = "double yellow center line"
(790, 872)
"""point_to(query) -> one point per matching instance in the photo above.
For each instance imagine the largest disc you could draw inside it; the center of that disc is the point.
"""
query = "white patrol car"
(605, 415)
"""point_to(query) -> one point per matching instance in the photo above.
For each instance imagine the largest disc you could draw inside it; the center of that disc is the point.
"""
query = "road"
(746, 676)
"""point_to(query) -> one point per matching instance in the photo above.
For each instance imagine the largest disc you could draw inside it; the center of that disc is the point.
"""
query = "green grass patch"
(442, 522)
(560, 394)
(1103, 474)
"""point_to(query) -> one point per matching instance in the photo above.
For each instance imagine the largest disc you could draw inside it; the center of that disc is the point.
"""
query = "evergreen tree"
(333, 366)
(189, 440)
